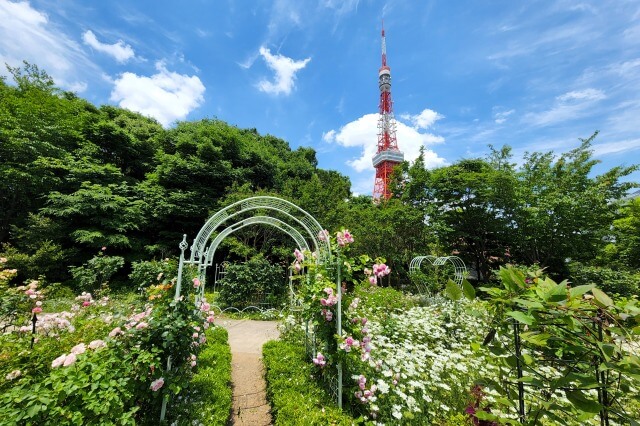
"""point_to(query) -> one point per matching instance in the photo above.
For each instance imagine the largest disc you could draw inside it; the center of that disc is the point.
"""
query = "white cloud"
(501, 116)
(424, 120)
(120, 51)
(285, 72)
(363, 133)
(166, 96)
(580, 95)
(568, 106)
(26, 34)
(615, 147)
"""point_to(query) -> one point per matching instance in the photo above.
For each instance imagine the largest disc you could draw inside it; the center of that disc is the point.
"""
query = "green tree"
(98, 215)
(562, 212)
(624, 250)
(470, 212)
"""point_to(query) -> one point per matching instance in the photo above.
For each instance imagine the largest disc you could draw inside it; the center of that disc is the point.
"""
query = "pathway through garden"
(246, 337)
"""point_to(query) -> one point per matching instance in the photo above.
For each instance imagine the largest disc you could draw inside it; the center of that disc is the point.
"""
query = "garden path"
(246, 337)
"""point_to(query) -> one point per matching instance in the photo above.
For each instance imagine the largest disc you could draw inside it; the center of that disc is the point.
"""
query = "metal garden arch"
(460, 271)
(292, 220)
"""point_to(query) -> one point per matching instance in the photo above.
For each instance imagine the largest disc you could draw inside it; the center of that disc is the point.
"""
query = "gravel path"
(246, 337)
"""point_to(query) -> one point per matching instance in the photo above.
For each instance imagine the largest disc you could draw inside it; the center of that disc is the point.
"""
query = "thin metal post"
(34, 320)
(339, 325)
(516, 334)
(183, 246)
(601, 378)
(165, 397)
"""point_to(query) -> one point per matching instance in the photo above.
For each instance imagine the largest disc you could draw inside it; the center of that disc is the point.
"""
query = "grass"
(294, 394)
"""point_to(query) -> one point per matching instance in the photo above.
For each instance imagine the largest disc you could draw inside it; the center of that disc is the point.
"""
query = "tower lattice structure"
(388, 155)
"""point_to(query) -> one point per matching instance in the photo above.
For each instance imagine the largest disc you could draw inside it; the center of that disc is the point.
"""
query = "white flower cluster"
(425, 363)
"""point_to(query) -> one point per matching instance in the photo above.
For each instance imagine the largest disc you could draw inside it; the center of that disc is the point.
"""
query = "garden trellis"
(303, 228)
(460, 270)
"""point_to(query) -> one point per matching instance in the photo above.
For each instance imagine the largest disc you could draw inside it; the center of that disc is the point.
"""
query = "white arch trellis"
(264, 220)
(299, 225)
(460, 270)
(297, 220)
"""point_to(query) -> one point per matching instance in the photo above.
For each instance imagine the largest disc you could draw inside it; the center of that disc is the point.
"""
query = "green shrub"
(242, 283)
(147, 272)
(296, 398)
(430, 280)
(609, 280)
(208, 399)
(59, 291)
(96, 272)
(384, 299)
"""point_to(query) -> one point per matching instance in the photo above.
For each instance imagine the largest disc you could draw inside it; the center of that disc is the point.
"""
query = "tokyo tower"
(388, 155)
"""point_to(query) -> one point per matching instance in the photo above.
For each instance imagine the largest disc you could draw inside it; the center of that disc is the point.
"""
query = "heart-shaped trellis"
(460, 270)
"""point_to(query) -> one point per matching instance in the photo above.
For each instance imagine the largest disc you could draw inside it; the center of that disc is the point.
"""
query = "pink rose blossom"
(354, 303)
(86, 303)
(323, 235)
(58, 361)
(320, 360)
(142, 325)
(157, 384)
(373, 280)
(196, 283)
(70, 359)
(78, 349)
(97, 344)
(210, 319)
(36, 310)
(115, 332)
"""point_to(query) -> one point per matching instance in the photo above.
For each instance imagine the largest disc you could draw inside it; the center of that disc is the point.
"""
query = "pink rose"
(157, 384)
(58, 361)
(70, 359)
(78, 349)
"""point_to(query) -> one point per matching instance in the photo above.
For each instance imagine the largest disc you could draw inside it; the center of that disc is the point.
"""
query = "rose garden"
(485, 292)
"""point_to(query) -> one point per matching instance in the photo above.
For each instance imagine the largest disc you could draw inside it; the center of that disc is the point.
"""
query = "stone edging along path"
(246, 337)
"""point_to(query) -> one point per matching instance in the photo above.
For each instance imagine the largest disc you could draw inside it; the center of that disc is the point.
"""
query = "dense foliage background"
(75, 178)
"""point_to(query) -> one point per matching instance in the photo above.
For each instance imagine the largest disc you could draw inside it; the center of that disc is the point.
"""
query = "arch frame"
(202, 256)
(460, 269)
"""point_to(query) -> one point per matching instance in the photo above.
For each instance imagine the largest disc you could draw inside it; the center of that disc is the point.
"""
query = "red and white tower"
(388, 155)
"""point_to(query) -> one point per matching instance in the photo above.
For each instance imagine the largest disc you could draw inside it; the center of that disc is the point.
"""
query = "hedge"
(292, 390)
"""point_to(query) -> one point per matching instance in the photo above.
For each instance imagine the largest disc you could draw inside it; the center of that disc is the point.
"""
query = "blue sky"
(537, 75)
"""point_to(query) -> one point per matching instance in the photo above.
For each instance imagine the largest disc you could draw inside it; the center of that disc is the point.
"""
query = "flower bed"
(208, 399)
(103, 362)
(295, 397)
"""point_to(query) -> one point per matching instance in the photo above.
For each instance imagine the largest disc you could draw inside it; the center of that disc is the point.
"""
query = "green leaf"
(578, 291)
(468, 290)
(483, 415)
(601, 298)
(558, 293)
(538, 339)
(529, 304)
(453, 291)
(521, 317)
(581, 402)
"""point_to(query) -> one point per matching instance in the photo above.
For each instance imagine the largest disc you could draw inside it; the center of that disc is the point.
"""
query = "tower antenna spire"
(388, 155)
